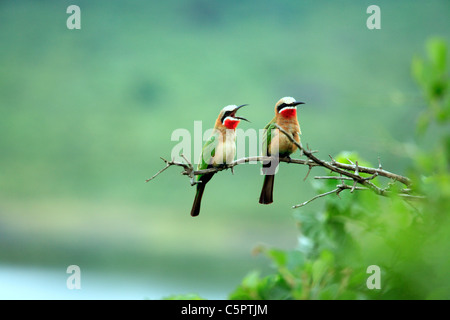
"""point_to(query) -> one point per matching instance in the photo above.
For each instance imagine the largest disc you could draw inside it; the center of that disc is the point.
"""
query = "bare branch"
(332, 159)
(337, 166)
(315, 197)
(168, 164)
(372, 176)
(307, 174)
(327, 165)
(347, 172)
(356, 173)
(160, 171)
(333, 178)
(339, 189)
(406, 181)
(187, 161)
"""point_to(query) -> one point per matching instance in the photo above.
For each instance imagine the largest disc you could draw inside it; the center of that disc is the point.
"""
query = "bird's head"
(227, 117)
(287, 107)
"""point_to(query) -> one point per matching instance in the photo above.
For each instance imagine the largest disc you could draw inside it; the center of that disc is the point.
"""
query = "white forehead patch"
(230, 107)
(287, 100)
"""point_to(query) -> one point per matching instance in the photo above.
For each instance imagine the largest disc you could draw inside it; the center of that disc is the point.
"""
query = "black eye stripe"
(281, 106)
(226, 114)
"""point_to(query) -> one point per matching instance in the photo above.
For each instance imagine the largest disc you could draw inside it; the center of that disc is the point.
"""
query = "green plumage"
(208, 152)
(267, 136)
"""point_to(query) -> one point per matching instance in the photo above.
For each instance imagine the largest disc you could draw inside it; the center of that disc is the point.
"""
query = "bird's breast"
(225, 149)
(280, 143)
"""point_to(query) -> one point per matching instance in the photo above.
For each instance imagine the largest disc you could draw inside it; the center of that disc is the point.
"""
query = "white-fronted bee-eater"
(218, 151)
(276, 144)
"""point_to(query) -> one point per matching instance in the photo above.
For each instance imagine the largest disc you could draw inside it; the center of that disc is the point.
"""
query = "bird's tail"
(268, 169)
(198, 199)
(266, 196)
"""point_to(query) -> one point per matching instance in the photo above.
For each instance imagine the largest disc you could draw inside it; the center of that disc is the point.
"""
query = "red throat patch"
(288, 113)
(231, 124)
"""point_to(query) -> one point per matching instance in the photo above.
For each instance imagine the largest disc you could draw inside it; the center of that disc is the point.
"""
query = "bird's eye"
(226, 114)
(281, 106)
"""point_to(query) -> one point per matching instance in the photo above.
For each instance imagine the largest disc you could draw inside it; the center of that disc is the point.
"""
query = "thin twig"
(187, 161)
(329, 166)
(160, 171)
(346, 172)
(333, 177)
(372, 176)
(314, 198)
(356, 173)
(357, 179)
(307, 174)
(339, 189)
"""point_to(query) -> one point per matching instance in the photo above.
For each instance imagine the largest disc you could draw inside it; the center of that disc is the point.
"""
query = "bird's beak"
(240, 118)
(242, 105)
(296, 103)
(237, 108)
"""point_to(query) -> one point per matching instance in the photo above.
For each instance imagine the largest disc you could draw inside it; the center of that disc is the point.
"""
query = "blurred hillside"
(86, 114)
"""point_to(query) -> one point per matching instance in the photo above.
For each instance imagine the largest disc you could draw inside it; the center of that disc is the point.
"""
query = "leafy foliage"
(407, 240)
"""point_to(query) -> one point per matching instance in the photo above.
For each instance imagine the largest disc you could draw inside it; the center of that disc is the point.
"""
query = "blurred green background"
(86, 114)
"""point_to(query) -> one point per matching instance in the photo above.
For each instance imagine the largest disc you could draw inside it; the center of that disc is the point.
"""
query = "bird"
(276, 144)
(218, 150)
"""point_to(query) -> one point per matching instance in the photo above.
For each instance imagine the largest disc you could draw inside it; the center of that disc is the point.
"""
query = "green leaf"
(274, 287)
(277, 256)
(321, 266)
(248, 289)
(251, 280)
(437, 52)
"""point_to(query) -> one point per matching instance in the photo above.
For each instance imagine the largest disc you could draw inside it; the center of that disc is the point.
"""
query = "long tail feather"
(199, 194)
(266, 196)
(198, 200)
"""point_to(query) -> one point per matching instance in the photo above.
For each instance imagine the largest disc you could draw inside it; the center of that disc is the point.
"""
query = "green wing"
(267, 135)
(208, 151)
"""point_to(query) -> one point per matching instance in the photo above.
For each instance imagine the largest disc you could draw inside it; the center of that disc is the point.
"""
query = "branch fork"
(346, 172)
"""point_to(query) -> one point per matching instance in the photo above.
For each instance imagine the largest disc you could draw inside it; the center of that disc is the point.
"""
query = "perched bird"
(218, 151)
(276, 144)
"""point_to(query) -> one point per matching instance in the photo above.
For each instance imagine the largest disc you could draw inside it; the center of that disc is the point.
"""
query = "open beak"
(240, 118)
(237, 108)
